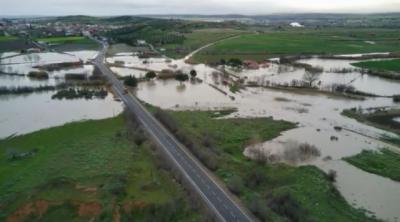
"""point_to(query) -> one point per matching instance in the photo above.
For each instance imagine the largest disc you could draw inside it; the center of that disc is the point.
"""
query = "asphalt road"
(212, 194)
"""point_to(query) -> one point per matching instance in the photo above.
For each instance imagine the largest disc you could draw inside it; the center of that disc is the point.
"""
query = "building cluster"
(52, 29)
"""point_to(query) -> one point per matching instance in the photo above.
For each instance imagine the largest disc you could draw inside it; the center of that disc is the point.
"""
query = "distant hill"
(382, 20)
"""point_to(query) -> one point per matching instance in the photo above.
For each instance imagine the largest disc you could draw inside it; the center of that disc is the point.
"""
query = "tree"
(131, 81)
(235, 62)
(151, 75)
(193, 73)
(312, 75)
(181, 77)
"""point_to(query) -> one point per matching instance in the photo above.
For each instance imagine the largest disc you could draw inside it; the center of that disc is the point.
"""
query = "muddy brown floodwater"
(320, 123)
(21, 114)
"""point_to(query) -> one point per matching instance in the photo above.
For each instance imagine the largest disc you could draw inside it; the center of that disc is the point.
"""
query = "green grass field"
(307, 42)
(62, 40)
(70, 43)
(384, 162)
(7, 38)
(385, 65)
(277, 192)
(84, 163)
(197, 39)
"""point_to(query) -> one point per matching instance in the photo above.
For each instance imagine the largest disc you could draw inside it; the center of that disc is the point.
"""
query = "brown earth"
(89, 209)
(37, 208)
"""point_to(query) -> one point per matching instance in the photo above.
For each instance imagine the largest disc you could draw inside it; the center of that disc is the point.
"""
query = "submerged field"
(384, 162)
(305, 42)
(94, 170)
(273, 192)
(381, 119)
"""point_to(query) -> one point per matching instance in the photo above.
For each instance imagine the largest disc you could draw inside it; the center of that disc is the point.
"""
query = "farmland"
(197, 39)
(308, 42)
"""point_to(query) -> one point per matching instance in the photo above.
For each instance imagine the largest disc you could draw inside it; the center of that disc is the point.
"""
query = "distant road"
(215, 197)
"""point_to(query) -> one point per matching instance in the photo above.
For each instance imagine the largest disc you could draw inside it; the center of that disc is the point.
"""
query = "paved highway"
(199, 178)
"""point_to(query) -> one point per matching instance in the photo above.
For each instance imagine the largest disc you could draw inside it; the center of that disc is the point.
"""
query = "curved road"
(215, 197)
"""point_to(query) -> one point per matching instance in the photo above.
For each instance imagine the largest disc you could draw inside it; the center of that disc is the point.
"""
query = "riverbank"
(107, 169)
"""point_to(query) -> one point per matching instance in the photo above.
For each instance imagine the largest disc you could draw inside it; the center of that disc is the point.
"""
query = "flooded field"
(332, 74)
(25, 114)
(322, 129)
(21, 114)
(320, 123)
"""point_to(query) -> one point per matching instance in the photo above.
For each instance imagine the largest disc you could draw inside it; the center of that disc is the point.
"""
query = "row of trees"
(132, 81)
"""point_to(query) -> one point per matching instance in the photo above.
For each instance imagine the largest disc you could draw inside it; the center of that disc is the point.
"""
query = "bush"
(181, 77)
(234, 62)
(286, 206)
(193, 73)
(256, 177)
(38, 75)
(258, 207)
(131, 81)
(396, 98)
(235, 184)
(151, 75)
(332, 175)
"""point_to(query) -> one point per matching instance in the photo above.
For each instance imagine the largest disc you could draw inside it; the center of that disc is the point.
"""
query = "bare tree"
(312, 75)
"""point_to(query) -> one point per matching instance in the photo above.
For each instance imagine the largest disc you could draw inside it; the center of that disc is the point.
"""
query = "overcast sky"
(131, 7)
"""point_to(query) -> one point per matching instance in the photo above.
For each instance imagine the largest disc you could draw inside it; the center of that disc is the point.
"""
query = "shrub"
(396, 98)
(193, 73)
(258, 207)
(235, 184)
(131, 81)
(285, 205)
(332, 175)
(151, 75)
(181, 77)
(38, 75)
(256, 177)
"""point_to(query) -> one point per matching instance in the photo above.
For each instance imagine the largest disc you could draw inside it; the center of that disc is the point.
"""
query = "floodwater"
(317, 116)
(121, 71)
(397, 119)
(29, 113)
(21, 114)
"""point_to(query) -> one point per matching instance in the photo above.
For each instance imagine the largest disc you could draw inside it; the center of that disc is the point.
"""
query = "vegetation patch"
(386, 65)
(85, 93)
(88, 171)
(383, 162)
(69, 43)
(38, 75)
